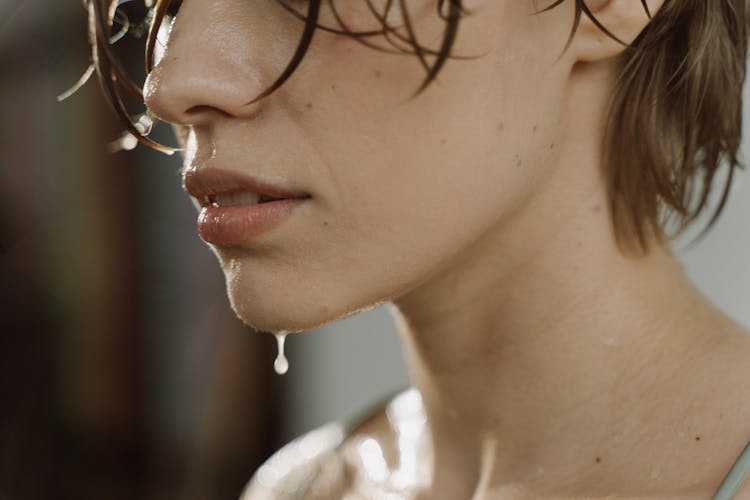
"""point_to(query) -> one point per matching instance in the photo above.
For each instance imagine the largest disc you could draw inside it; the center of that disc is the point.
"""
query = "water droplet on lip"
(280, 364)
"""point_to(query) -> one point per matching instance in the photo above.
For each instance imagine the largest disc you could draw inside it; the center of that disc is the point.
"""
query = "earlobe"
(610, 25)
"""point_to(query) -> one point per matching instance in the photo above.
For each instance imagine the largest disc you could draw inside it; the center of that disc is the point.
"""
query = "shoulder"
(327, 462)
(292, 471)
(717, 421)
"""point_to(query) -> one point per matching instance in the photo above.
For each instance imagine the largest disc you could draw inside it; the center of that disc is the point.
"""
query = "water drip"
(280, 364)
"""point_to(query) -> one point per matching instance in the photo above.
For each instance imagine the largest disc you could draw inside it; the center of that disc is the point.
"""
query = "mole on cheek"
(500, 126)
(377, 73)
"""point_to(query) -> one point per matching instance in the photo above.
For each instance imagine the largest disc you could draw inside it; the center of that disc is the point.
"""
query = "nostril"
(195, 90)
(200, 113)
(203, 109)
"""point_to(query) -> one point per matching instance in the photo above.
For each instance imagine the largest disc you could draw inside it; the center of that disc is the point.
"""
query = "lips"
(237, 208)
(212, 185)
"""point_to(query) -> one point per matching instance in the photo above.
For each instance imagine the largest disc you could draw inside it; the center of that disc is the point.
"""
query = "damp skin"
(383, 211)
(534, 342)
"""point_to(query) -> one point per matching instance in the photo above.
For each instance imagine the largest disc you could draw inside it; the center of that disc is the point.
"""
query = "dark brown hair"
(674, 120)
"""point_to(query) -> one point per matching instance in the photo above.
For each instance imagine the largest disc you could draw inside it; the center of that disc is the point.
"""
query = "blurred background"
(123, 372)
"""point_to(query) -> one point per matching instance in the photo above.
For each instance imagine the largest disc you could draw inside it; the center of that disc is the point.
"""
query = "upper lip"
(205, 183)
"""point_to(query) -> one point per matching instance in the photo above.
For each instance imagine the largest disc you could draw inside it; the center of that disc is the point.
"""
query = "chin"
(290, 311)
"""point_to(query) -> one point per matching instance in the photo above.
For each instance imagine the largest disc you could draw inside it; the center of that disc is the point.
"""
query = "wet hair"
(675, 113)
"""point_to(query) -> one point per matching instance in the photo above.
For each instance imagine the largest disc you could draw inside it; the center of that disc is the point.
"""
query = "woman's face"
(399, 189)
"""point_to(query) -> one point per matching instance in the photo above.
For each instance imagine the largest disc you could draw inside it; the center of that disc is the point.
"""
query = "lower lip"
(236, 225)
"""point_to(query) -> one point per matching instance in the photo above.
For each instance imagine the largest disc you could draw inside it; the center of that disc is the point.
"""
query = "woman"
(514, 211)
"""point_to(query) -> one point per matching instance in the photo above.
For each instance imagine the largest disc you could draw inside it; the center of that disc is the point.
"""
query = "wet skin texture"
(478, 210)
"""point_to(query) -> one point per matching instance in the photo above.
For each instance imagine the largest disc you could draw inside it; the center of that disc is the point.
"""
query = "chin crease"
(301, 320)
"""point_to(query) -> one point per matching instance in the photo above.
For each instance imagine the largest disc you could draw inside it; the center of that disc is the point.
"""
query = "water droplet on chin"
(280, 364)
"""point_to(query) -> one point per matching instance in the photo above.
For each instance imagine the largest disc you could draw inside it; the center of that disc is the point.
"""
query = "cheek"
(409, 202)
(469, 147)
(358, 16)
(405, 185)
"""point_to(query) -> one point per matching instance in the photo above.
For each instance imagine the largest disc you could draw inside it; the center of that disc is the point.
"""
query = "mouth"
(236, 208)
(214, 187)
(235, 199)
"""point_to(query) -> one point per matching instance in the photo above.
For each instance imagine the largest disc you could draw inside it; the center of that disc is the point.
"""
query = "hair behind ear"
(676, 116)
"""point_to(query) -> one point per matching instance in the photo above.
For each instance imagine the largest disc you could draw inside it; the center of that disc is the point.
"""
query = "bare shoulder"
(693, 436)
(299, 469)
(716, 426)
(322, 464)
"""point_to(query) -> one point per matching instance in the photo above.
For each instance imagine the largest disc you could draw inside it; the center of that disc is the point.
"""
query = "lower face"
(399, 188)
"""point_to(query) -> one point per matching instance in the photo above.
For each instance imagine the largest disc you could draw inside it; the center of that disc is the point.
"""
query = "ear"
(625, 19)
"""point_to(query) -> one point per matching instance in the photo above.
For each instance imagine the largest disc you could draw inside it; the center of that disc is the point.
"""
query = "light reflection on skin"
(407, 475)
(291, 469)
(479, 210)
(373, 461)
(407, 417)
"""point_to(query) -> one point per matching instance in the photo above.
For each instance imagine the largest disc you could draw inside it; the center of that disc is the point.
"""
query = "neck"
(533, 348)
(554, 355)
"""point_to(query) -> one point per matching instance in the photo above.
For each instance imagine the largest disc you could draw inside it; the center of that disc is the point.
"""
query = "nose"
(209, 66)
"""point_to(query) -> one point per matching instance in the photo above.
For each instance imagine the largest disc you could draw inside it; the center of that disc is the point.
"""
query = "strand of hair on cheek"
(112, 77)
